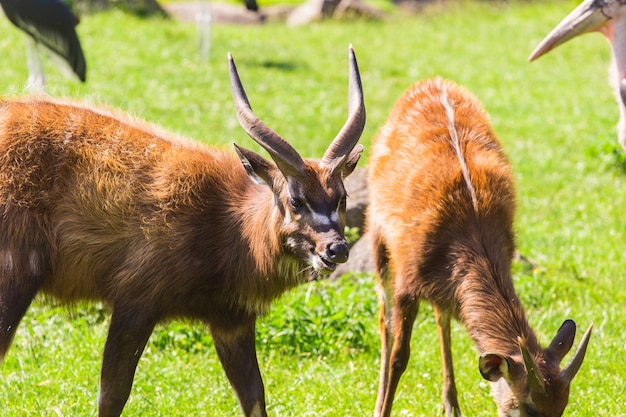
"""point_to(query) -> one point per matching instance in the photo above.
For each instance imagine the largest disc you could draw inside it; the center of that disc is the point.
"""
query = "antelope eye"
(296, 203)
(342, 202)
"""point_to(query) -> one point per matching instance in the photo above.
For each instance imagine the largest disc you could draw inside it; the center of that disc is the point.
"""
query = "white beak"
(587, 17)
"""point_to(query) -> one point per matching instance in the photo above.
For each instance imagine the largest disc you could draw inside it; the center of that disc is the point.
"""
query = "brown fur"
(108, 191)
(441, 217)
(96, 205)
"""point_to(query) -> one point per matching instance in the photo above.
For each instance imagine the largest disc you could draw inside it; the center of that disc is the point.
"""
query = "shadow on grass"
(281, 65)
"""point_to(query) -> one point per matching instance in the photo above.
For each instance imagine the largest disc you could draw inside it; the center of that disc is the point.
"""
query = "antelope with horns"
(441, 218)
(95, 205)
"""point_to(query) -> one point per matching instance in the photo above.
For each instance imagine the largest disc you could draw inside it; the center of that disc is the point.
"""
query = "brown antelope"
(95, 205)
(441, 218)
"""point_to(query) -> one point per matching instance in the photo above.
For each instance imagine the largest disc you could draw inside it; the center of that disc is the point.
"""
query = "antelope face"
(309, 195)
(518, 400)
(530, 385)
(314, 220)
(311, 205)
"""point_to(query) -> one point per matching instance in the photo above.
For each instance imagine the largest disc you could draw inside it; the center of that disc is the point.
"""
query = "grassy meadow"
(318, 347)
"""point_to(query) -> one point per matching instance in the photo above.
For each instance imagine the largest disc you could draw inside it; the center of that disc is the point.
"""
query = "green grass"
(318, 347)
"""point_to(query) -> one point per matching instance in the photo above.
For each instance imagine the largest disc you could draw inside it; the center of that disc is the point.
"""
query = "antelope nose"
(337, 252)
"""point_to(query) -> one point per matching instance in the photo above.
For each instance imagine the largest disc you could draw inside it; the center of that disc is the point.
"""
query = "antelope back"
(435, 167)
(84, 189)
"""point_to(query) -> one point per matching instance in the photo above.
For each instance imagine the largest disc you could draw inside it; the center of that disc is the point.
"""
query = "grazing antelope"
(441, 221)
(609, 18)
(95, 205)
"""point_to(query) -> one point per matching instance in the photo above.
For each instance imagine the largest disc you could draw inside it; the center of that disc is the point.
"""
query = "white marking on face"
(287, 218)
(316, 262)
(322, 219)
(292, 242)
(515, 413)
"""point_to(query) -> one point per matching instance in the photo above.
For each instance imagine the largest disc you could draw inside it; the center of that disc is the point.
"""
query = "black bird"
(50, 26)
(609, 18)
(251, 5)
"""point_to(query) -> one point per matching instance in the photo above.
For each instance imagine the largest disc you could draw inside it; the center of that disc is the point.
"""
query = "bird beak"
(585, 18)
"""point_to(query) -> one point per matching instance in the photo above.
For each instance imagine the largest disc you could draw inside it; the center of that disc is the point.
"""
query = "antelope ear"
(258, 168)
(563, 341)
(351, 161)
(344, 166)
(494, 366)
(534, 377)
